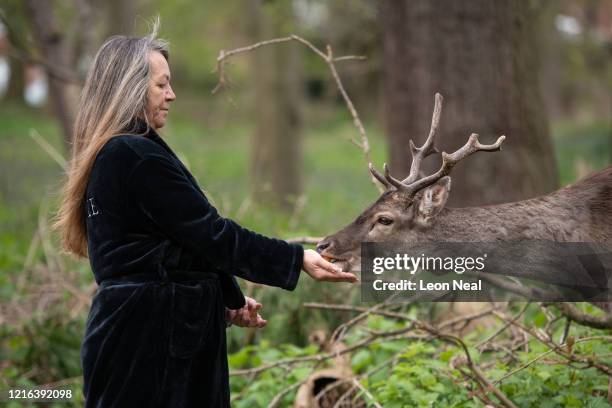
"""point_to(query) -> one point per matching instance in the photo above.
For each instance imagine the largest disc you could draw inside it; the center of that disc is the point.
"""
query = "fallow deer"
(413, 210)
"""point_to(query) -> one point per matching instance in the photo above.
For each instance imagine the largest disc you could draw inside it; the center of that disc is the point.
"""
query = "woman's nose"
(170, 96)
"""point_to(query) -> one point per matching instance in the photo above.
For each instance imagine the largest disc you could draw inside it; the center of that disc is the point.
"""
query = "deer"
(413, 210)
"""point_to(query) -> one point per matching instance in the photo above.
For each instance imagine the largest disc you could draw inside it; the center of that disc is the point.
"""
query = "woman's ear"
(432, 200)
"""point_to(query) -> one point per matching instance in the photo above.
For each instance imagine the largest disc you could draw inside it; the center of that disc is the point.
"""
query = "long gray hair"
(114, 95)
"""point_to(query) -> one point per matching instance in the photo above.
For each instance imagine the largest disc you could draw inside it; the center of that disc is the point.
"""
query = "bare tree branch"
(305, 240)
(327, 57)
(570, 311)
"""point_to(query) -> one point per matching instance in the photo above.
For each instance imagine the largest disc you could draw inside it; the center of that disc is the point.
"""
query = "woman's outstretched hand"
(320, 269)
(247, 316)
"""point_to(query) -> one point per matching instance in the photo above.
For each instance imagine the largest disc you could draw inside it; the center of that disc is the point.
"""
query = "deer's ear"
(433, 199)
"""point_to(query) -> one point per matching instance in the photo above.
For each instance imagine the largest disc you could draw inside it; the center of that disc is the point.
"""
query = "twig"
(348, 308)
(367, 393)
(278, 397)
(338, 334)
(500, 395)
(47, 147)
(395, 315)
(590, 361)
(524, 366)
(470, 317)
(566, 330)
(27, 265)
(504, 327)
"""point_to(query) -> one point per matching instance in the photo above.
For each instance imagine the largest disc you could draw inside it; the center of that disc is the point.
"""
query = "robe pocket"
(192, 306)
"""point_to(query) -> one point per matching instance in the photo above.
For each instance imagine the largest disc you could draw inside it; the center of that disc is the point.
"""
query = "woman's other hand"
(320, 269)
(247, 316)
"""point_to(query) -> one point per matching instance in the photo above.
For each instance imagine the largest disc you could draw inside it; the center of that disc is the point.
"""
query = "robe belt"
(164, 276)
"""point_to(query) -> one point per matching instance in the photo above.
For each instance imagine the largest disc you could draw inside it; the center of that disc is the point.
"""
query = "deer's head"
(407, 208)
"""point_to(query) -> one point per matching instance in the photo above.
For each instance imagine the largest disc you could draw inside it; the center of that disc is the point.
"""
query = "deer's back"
(594, 195)
(579, 212)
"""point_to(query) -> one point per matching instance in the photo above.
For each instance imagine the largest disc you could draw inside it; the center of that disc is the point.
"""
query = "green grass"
(581, 145)
(27, 176)
(589, 144)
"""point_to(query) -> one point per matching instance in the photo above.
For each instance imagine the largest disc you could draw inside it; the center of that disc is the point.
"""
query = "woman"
(164, 259)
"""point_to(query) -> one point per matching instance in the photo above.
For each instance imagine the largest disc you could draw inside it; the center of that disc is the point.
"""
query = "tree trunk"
(482, 57)
(276, 152)
(56, 54)
(121, 17)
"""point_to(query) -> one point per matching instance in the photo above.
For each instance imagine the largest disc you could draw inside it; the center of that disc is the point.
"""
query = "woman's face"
(159, 93)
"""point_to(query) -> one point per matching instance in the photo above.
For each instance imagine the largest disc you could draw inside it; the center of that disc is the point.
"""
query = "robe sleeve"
(167, 198)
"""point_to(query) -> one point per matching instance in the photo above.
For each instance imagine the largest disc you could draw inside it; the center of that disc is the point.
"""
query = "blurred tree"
(17, 32)
(483, 58)
(352, 29)
(276, 151)
(121, 17)
(56, 54)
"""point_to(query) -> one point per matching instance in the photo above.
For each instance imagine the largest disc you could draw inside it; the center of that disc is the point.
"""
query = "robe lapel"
(233, 297)
(152, 134)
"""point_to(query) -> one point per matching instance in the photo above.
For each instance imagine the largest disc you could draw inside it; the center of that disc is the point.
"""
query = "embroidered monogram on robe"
(165, 261)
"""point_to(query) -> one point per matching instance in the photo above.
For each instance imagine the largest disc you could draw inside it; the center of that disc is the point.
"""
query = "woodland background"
(274, 152)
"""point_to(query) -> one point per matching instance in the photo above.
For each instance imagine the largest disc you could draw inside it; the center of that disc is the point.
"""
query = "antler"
(412, 184)
(419, 153)
(378, 176)
(450, 160)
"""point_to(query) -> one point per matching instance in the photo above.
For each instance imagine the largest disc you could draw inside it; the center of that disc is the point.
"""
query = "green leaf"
(447, 355)
(361, 360)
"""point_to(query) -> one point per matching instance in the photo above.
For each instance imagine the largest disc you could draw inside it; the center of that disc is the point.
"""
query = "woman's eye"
(385, 221)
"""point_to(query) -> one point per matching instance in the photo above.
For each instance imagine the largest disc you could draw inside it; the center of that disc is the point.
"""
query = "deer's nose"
(322, 246)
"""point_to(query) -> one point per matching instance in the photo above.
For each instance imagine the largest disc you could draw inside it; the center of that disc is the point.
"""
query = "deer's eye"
(385, 220)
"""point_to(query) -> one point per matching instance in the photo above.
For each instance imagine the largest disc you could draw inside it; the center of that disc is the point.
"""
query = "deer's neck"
(553, 217)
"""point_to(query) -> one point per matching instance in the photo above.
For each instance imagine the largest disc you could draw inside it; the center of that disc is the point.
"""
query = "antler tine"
(378, 176)
(393, 181)
(419, 153)
(450, 160)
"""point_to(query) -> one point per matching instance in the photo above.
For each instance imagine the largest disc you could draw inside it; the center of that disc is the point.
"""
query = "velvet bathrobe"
(165, 261)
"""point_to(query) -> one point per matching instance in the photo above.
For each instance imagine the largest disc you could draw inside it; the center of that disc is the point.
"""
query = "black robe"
(165, 260)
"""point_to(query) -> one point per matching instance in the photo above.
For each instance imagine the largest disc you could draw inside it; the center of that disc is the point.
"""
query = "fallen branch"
(305, 240)
(321, 357)
(455, 341)
(570, 311)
